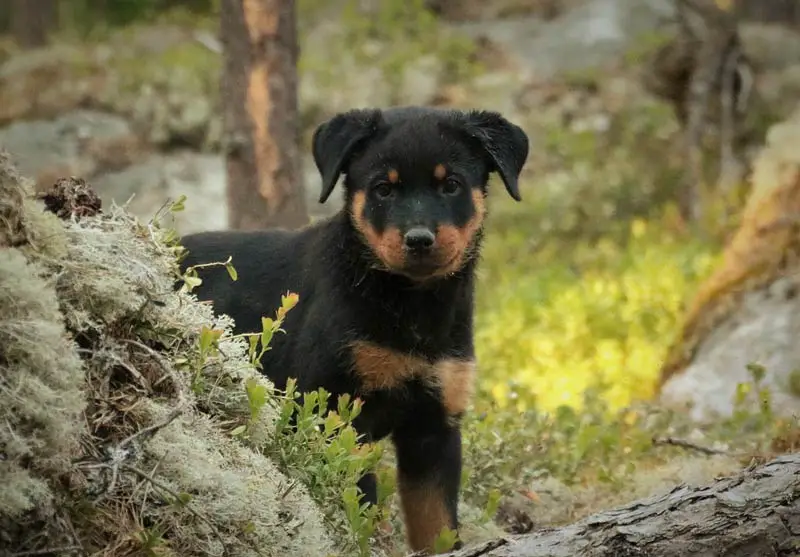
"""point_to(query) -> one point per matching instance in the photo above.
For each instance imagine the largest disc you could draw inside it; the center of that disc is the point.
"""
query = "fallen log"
(754, 513)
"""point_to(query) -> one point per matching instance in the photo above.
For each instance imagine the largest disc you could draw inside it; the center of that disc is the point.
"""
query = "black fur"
(347, 293)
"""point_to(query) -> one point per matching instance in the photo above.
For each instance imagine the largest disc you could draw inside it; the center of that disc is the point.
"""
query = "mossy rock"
(765, 246)
(112, 444)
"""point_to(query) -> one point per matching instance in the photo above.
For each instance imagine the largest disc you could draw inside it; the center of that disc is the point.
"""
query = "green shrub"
(552, 325)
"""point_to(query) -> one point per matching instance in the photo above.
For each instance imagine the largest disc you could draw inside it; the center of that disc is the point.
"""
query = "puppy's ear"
(335, 140)
(505, 143)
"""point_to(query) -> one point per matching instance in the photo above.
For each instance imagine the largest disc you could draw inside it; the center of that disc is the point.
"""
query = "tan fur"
(388, 247)
(383, 368)
(455, 241)
(424, 512)
(456, 379)
(439, 172)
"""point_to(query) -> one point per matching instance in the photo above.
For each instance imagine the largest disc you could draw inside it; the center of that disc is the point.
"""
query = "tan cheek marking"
(424, 513)
(391, 248)
(456, 379)
(393, 176)
(387, 246)
(454, 241)
(439, 172)
(382, 368)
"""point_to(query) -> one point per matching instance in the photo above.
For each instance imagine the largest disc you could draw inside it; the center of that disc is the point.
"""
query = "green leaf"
(238, 430)
(232, 271)
(266, 332)
(178, 205)
(445, 541)
(208, 337)
(256, 396)
(192, 282)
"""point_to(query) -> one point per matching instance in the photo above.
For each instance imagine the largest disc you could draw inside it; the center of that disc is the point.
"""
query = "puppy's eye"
(451, 187)
(382, 190)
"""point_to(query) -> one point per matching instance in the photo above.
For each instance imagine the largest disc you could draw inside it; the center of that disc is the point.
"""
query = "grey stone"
(763, 331)
(40, 145)
(146, 186)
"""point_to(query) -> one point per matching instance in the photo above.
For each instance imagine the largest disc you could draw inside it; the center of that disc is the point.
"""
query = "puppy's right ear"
(335, 140)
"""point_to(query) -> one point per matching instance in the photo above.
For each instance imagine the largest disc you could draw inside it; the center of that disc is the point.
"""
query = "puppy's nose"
(419, 239)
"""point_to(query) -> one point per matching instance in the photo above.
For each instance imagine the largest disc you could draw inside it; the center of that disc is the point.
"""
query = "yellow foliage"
(549, 328)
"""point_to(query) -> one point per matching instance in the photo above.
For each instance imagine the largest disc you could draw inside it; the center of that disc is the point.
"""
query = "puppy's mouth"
(428, 266)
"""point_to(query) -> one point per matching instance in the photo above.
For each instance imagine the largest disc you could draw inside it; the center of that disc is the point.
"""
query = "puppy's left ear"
(505, 143)
(335, 140)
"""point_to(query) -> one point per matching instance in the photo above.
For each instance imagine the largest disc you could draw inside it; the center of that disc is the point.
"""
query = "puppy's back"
(266, 262)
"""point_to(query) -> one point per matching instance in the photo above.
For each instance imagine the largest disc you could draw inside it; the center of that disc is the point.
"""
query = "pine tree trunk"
(259, 91)
(753, 514)
(32, 20)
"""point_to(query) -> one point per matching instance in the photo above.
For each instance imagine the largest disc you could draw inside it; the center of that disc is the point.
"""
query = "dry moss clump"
(116, 436)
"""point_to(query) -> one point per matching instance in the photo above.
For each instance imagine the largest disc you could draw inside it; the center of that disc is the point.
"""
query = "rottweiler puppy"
(386, 285)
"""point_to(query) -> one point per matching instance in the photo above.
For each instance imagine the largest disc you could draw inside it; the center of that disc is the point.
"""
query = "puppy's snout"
(419, 239)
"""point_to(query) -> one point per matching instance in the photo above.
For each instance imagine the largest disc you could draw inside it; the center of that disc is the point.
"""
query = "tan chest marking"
(383, 368)
(456, 379)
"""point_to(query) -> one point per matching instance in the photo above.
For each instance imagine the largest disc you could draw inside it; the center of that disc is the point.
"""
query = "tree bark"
(32, 20)
(259, 91)
(753, 514)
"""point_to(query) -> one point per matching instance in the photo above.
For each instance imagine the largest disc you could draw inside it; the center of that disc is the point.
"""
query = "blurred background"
(645, 117)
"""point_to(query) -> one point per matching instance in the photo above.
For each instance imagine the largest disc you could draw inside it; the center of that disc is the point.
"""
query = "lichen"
(117, 436)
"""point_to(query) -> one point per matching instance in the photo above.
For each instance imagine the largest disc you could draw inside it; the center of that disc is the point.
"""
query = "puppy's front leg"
(428, 474)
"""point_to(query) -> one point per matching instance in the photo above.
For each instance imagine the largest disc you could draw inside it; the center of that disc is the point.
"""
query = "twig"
(151, 429)
(145, 476)
(684, 444)
(118, 453)
(47, 551)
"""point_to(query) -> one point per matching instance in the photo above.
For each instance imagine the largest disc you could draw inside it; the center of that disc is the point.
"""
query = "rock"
(79, 143)
(149, 184)
(591, 35)
(38, 84)
(762, 331)
(748, 311)
(472, 10)
(146, 186)
(770, 46)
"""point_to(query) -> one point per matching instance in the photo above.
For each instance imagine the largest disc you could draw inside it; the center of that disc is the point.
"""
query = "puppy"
(386, 285)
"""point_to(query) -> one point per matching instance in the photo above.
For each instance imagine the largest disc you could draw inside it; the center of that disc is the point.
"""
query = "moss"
(118, 429)
(41, 381)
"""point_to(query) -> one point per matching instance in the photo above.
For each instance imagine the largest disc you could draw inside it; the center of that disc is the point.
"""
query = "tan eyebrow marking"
(439, 171)
(393, 176)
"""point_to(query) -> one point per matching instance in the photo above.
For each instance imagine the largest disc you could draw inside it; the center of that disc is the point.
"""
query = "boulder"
(745, 319)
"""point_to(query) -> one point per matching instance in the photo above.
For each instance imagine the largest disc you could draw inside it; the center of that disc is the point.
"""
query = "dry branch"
(756, 512)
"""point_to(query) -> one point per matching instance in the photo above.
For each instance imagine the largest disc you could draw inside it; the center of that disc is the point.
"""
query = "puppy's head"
(415, 180)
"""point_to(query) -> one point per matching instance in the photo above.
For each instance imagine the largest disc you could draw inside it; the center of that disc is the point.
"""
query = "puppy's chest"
(379, 369)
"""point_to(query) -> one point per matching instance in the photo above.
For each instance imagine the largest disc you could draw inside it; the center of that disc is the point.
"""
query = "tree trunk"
(259, 91)
(32, 20)
(753, 514)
